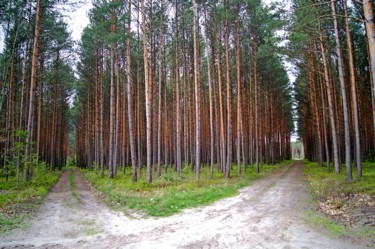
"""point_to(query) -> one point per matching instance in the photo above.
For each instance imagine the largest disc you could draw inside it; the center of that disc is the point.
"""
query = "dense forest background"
(186, 84)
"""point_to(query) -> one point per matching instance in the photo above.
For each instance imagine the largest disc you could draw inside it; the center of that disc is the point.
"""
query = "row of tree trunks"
(341, 132)
(184, 101)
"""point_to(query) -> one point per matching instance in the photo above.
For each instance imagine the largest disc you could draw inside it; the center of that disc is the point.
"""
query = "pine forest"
(163, 92)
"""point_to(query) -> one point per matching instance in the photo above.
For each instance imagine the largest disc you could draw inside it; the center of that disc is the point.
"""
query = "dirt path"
(268, 214)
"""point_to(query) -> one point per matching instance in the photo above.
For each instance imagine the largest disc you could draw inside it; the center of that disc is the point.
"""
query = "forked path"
(268, 214)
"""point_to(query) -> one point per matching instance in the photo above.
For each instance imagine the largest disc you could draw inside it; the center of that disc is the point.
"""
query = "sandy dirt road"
(268, 214)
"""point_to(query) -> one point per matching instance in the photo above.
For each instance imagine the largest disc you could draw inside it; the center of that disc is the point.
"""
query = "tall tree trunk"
(186, 98)
(239, 93)
(196, 93)
(40, 111)
(97, 97)
(314, 99)
(343, 94)
(321, 87)
(24, 73)
(139, 124)
(330, 105)
(10, 106)
(54, 117)
(101, 138)
(24, 68)
(178, 105)
(221, 106)
(256, 90)
(130, 101)
(210, 95)
(117, 124)
(112, 113)
(229, 97)
(148, 96)
(151, 83)
(160, 82)
(34, 63)
(353, 84)
(368, 9)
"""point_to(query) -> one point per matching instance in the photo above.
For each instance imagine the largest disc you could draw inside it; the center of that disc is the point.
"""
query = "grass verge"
(323, 221)
(170, 194)
(340, 200)
(364, 234)
(90, 227)
(73, 186)
(324, 183)
(17, 203)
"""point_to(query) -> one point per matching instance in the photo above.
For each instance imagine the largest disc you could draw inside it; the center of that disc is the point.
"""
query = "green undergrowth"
(338, 229)
(72, 181)
(16, 203)
(324, 183)
(73, 187)
(170, 194)
(323, 221)
(356, 233)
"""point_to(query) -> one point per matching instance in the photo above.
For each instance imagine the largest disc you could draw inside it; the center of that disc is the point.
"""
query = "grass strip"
(324, 184)
(366, 233)
(171, 193)
(73, 187)
(17, 203)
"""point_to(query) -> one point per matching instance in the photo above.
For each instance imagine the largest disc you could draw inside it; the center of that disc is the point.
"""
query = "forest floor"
(269, 214)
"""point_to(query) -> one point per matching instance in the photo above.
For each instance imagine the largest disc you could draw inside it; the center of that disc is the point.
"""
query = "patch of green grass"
(171, 193)
(17, 202)
(338, 229)
(323, 182)
(8, 223)
(73, 187)
(71, 180)
(327, 223)
(90, 227)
